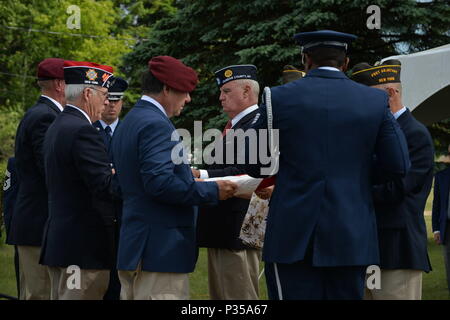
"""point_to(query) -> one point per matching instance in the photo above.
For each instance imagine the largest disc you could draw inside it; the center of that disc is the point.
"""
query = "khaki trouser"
(34, 279)
(143, 285)
(233, 274)
(73, 285)
(399, 284)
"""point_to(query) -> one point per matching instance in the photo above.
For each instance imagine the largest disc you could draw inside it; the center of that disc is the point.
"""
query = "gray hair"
(254, 85)
(45, 84)
(73, 91)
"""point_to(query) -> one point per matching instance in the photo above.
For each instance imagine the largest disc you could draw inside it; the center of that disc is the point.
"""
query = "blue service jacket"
(159, 196)
(329, 129)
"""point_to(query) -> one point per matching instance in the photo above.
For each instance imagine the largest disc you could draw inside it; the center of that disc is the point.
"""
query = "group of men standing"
(355, 169)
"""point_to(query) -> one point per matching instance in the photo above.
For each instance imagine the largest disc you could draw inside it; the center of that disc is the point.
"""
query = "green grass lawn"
(198, 279)
(434, 283)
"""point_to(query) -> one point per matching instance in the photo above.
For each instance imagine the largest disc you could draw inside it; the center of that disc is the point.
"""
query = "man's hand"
(265, 193)
(437, 237)
(195, 173)
(226, 189)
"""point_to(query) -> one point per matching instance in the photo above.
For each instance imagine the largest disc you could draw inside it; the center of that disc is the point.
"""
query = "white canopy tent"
(425, 80)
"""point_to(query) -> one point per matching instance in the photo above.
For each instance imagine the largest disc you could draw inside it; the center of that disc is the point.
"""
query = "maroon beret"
(51, 68)
(173, 73)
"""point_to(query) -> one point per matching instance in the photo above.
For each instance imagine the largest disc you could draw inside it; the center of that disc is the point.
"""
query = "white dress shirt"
(203, 173)
(112, 125)
(82, 111)
(54, 101)
(156, 103)
(329, 68)
(399, 113)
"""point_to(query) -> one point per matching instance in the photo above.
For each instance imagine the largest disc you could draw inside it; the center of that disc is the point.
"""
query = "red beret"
(173, 73)
(51, 68)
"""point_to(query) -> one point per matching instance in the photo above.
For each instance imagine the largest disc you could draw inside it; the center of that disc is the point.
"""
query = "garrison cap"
(291, 73)
(81, 72)
(387, 72)
(235, 72)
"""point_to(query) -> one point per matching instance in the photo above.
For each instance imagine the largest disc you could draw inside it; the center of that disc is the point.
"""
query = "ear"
(391, 91)
(87, 92)
(307, 62)
(246, 91)
(345, 65)
(166, 90)
(60, 85)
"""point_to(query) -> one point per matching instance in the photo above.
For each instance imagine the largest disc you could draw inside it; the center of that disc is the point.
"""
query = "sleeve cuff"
(204, 174)
(434, 232)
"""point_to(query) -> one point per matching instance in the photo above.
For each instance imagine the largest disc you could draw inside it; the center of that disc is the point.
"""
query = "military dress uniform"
(321, 230)
(106, 130)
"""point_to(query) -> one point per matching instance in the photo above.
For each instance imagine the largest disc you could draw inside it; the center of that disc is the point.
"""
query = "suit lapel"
(148, 104)
(245, 121)
(49, 103)
(74, 112)
(404, 118)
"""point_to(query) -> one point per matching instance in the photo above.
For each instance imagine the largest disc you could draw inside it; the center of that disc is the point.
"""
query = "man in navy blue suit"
(110, 117)
(157, 245)
(31, 208)
(441, 215)
(233, 267)
(399, 204)
(106, 127)
(321, 230)
(80, 230)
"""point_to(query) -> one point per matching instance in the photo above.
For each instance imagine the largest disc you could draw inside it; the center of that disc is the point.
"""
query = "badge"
(91, 74)
(105, 77)
(228, 73)
(7, 183)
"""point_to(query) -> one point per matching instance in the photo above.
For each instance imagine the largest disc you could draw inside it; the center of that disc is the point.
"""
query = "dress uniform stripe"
(277, 277)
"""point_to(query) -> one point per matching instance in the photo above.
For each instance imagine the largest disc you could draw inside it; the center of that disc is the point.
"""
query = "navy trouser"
(301, 281)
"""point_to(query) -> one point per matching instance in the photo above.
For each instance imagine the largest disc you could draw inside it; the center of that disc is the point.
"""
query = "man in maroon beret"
(31, 209)
(157, 246)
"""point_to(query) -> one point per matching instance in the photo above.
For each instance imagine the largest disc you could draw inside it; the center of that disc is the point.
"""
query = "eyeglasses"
(104, 94)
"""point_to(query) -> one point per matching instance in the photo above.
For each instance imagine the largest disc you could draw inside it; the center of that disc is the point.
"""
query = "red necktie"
(228, 126)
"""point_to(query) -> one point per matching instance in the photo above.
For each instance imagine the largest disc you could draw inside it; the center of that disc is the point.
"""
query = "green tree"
(33, 30)
(208, 35)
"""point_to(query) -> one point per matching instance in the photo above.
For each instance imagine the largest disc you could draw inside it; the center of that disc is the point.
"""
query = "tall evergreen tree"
(210, 34)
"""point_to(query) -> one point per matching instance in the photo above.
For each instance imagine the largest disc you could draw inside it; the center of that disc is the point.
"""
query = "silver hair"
(252, 83)
(45, 84)
(73, 91)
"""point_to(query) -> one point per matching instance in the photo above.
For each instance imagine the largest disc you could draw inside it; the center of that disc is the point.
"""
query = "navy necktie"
(108, 132)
